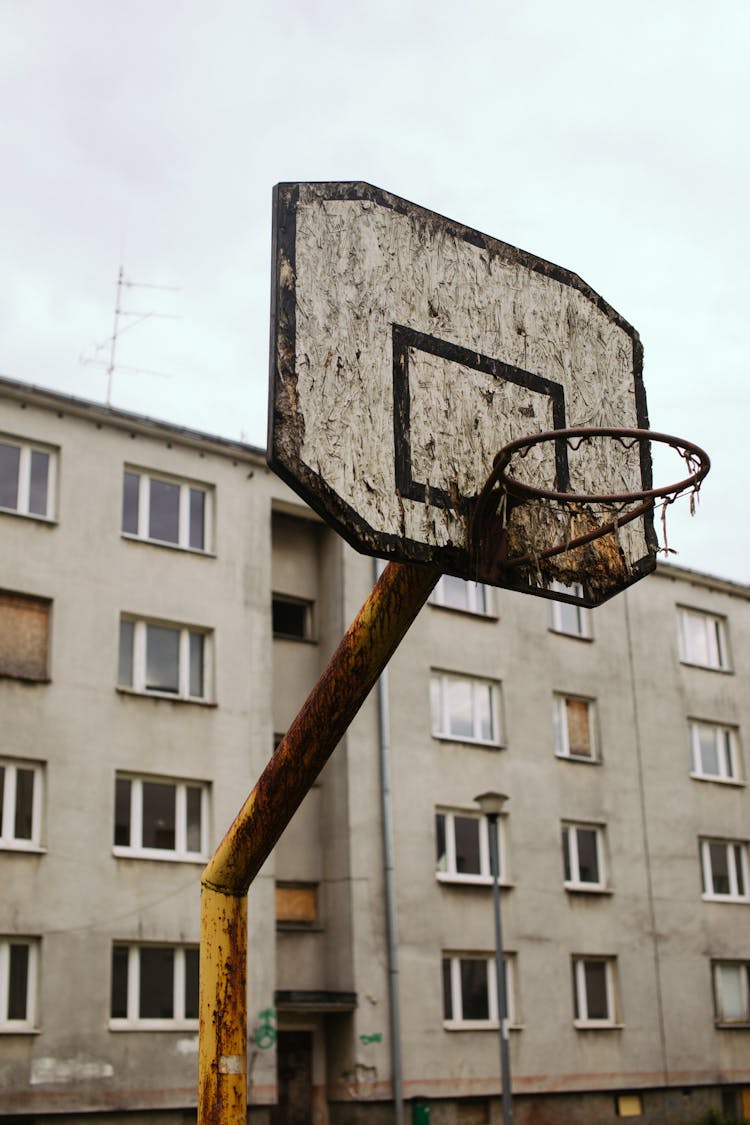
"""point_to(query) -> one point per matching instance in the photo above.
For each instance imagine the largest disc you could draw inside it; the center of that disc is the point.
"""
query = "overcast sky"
(609, 138)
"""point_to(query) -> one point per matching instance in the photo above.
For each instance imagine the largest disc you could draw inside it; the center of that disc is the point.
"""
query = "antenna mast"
(117, 331)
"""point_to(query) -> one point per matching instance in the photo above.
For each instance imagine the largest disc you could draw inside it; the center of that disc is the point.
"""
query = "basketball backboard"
(407, 349)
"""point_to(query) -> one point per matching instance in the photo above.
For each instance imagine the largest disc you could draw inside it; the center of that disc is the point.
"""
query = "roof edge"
(699, 578)
(123, 419)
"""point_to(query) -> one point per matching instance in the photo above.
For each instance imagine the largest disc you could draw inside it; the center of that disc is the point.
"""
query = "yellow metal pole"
(222, 1095)
(366, 648)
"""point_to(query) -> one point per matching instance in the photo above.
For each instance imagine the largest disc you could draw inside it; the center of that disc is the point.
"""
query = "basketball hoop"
(395, 382)
(589, 522)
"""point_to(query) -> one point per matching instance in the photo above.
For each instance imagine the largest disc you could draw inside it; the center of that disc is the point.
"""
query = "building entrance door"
(294, 1052)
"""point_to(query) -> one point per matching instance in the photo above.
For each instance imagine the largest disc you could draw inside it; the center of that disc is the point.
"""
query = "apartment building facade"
(165, 605)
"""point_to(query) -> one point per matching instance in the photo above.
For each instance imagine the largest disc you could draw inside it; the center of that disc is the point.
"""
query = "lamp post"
(491, 804)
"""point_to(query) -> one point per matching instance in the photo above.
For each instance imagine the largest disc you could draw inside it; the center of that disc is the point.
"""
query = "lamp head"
(491, 804)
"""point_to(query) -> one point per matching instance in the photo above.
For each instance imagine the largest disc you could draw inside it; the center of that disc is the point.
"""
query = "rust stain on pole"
(222, 1092)
(366, 648)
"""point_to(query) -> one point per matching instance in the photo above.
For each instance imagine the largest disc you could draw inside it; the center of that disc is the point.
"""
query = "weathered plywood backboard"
(407, 349)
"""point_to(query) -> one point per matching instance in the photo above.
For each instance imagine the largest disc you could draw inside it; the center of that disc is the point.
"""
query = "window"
(161, 659)
(27, 479)
(703, 639)
(160, 819)
(291, 618)
(567, 618)
(470, 990)
(18, 974)
(154, 986)
(456, 593)
(583, 857)
(296, 905)
(629, 1105)
(731, 992)
(20, 804)
(594, 1003)
(574, 728)
(24, 636)
(463, 848)
(465, 709)
(724, 870)
(166, 510)
(713, 752)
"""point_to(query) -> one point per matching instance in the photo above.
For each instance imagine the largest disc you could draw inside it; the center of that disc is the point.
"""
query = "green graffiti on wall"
(265, 1032)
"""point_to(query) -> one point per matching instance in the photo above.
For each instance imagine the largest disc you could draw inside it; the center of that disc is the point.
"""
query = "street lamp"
(491, 804)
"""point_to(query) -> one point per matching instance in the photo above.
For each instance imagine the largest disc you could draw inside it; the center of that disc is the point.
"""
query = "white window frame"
(561, 731)
(145, 477)
(8, 1026)
(560, 610)
(8, 839)
(478, 598)
(727, 752)
(576, 883)
(731, 846)
(715, 643)
(440, 713)
(26, 448)
(134, 1022)
(138, 686)
(743, 969)
(581, 999)
(180, 852)
(458, 1023)
(484, 877)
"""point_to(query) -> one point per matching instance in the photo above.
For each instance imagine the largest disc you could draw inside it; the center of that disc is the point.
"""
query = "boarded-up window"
(629, 1105)
(579, 736)
(24, 636)
(296, 904)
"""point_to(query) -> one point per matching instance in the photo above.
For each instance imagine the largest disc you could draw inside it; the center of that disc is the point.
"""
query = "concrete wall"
(679, 809)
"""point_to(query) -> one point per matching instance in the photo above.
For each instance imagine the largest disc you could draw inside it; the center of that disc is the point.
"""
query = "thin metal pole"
(502, 998)
(366, 648)
(389, 871)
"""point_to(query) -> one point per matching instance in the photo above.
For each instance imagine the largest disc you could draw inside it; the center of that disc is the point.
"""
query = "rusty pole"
(366, 648)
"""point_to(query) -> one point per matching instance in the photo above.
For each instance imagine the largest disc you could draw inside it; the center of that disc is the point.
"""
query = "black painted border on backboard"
(408, 339)
(286, 425)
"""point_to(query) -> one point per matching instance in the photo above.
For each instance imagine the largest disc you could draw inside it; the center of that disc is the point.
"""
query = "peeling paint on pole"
(222, 1092)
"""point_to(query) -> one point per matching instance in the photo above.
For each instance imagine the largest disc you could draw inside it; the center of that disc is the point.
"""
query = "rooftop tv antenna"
(117, 330)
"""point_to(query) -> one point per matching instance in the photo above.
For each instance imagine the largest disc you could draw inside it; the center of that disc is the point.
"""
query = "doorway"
(294, 1053)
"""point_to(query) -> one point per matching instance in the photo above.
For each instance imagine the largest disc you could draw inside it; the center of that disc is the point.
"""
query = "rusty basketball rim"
(503, 489)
